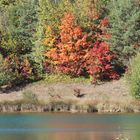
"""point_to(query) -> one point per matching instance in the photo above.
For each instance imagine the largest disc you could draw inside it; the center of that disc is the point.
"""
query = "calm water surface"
(69, 126)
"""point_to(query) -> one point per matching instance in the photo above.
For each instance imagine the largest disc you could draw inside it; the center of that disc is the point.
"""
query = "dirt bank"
(69, 97)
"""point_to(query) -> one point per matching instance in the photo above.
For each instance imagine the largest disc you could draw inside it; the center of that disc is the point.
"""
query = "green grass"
(56, 78)
(28, 96)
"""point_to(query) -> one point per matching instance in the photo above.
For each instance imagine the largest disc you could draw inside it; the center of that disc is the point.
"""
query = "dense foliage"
(87, 38)
(17, 38)
(133, 76)
(76, 52)
(124, 17)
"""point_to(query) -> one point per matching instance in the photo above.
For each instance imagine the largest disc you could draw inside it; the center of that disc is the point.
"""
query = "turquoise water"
(41, 126)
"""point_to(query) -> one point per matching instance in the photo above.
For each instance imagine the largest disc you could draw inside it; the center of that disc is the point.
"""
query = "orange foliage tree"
(67, 55)
(79, 53)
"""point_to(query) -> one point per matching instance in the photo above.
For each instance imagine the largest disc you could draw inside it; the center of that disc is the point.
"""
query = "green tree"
(17, 28)
(124, 16)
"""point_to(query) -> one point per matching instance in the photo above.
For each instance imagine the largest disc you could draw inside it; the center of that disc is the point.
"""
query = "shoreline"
(60, 106)
(109, 97)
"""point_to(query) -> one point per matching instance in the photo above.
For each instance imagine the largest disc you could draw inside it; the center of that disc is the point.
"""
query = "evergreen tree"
(17, 37)
(124, 27)
(22, 25)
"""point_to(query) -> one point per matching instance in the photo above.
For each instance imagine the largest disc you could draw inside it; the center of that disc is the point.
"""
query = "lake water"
(55, 126)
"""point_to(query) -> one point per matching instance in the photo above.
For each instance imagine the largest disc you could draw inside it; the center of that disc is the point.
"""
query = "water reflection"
(60, 136)
(68, 126)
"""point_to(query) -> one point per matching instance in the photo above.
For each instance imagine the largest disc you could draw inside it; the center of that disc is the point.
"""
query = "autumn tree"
(79, 53)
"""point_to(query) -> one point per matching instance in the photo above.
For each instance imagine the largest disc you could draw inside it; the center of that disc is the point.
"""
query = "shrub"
(133, 76)
(37, 59)
(20, 68)
(5, 76)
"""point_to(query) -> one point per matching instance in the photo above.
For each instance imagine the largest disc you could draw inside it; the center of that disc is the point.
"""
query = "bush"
(5, 76)
(133, 76)
(19, 67)
(38, 59)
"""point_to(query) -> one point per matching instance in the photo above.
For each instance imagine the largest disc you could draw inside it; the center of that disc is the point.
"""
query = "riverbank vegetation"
(74, 40)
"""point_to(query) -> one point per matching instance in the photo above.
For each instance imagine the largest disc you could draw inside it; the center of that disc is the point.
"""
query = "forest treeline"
(99, 39)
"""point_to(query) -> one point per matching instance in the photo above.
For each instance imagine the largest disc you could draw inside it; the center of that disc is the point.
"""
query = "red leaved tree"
(78, 52)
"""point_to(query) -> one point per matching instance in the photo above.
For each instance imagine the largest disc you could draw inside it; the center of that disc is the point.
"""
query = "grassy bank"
(69, 106)
(69, 96)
